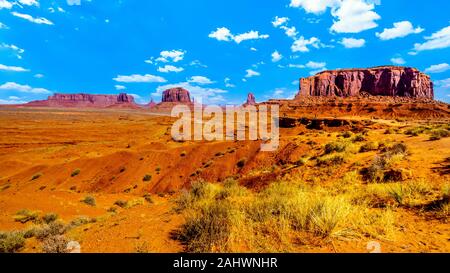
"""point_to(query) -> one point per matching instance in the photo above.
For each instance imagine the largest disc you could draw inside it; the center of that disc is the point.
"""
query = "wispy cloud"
(224, 34)
(136, 78)
(39, 20)
(12, 86)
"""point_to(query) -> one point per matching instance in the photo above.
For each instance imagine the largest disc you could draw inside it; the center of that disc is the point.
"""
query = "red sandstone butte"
(85, 100)
(251, 100)
(392, 81)
(177, 95)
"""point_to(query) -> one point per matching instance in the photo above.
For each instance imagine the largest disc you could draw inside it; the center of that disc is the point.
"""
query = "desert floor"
(52, 159)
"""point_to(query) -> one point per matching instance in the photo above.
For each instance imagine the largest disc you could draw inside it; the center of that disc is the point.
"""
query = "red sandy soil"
(114, 149)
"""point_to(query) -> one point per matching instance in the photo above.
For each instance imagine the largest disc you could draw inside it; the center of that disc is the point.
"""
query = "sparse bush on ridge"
(89, 200)
(36, 176)
(335, 146)
(439, 134)
(75, 172)
(147, 178)
(24, 216)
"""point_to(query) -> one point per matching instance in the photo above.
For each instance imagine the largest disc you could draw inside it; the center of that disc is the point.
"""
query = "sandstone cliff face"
(377, 81)
(85, 100)
(178, 95)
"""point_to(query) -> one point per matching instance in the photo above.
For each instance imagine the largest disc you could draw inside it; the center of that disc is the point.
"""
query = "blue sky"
(219, 50)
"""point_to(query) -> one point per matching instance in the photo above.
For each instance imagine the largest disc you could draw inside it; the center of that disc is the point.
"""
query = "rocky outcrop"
(377, 81)
(177, 95)
(251, 100)
(86, 100)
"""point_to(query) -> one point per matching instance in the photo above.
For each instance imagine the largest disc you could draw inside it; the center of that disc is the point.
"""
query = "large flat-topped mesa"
(376, 81)
(85, 100)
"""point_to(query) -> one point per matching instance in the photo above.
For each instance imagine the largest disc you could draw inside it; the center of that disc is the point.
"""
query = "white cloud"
(276, 56)
(16, 100)
(398, 61)
(224, 34)
(73, 2)
(353, 43)
(19, 51)
(12, 68)
(120, 87)
(197, 63)
(29, 2)
(313, 6)
(228, 83)
(173, 55)
(200, 80)
(438, 40)
(251, 35)
(170, 68)
(279, 21)
(3, 26)
(252, 73)
(221, 34)
(207, 95)
(40, 20)
(354, 16)
(4, 4)
(400, 29)
(314, 72)
(139, 78)
(443, 83)
(301, 44)
(296, 66)
(253, 49)
(315, 65)
(39, 76)
(290, 31)
(12, 86)
(438, 68)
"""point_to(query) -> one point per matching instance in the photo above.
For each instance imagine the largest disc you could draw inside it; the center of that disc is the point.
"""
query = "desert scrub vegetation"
(89, 200)
(11, 242)
(147, 178)
(75, 172)
(382, 167)
(330, 160)
(50, 232)
(25, 216)
(36, 176)
(231, 218)
(439, 134)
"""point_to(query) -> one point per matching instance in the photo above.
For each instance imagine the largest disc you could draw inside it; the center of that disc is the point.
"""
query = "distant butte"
(394, 81)
(177, 95)
(86, 100)
(251, 100)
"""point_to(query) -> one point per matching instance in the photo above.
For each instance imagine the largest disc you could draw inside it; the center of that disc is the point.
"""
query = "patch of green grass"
(369, 146)
(330, 160)
(335, 146)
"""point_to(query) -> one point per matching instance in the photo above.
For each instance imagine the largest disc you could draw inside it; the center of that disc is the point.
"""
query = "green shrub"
(121, 203)
(36, 176)
(368, 147)
(359, 138)
(439, 134)
(335, 146)
(75, 172)
(148, 198)
(55, 244)
(346, 134)
(24, 216)
(241, 163)
(49, 217)
(89, 200)
(11, 242)
(330, 160)
(147, 178)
